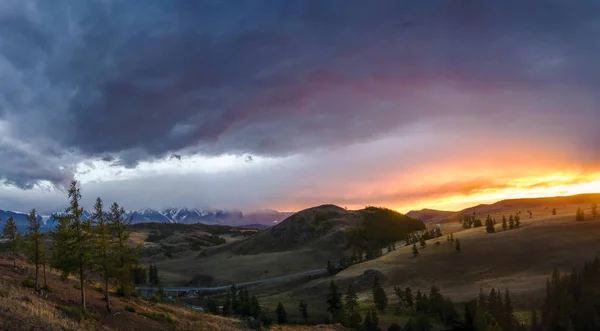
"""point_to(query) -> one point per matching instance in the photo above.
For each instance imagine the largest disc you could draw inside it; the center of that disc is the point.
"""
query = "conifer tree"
(379, 297)
(415, 250)
(234, 300)
(422, 242)
(125, 256)
(517, 221)
(227, 304)
(334, 303)
(504, 223)
(36, 243)
(489, 225)
(13, 236)
(303, 309)
(255, 310)
(457, 245)
(408, 298)
(371, 321)
(281, 314)
(553, 211)
(579, 215)
(104, 256)
(508, 318)
(482, 301)
(74, 248)
(330, 268)
(594, 210)
(436, 301)
(351, 300)
(351, 308)
(511, 222)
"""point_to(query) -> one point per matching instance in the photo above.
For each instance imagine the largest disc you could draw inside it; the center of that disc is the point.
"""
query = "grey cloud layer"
(126, 81)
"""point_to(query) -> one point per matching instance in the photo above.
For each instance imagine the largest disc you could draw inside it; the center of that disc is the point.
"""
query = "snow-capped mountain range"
(171, 215)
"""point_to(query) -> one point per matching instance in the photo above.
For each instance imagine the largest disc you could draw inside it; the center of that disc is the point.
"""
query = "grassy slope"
(22, 309)
(519, 259)
(303, 238)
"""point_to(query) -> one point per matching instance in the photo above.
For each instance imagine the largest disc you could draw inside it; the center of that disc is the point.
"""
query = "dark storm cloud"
(144, 79)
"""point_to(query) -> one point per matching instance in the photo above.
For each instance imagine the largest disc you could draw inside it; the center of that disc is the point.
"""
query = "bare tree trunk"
(45, 282)
(81, 281)
(37, 266)
(107, 294)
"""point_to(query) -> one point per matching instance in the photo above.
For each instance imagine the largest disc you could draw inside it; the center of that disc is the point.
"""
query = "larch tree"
(35, 245)
(334, 303)
(74, 246)
(379, 297)
(415, 250)
(351, 307)
(489, 225)
(281, 314)
(351, 300)
(13, 237)
(594, 210)
(504, 223)
(104, 253)
(303, 309)
(125, 255)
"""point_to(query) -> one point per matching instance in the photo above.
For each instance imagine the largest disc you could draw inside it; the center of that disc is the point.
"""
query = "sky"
(291, 104)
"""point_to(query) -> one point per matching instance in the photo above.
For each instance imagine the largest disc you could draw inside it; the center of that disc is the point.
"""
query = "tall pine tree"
(74, 246)
(334, 303)
(379, 297)
(104, 253)
(13, 237)
(125, 255)
(35, 245)
(303, 309)
(281, 314)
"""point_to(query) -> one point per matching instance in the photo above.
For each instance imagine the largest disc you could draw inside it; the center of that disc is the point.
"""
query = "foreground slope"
(22, 309)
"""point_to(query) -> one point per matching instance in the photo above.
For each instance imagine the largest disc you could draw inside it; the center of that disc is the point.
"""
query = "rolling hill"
(303, 241)
(520, 260)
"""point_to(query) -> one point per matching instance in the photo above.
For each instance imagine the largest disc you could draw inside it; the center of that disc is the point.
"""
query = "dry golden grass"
(20, 309)
(519, 260)
(23, 309)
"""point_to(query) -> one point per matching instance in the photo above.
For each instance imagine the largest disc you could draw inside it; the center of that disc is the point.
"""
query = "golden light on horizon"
(557, 184)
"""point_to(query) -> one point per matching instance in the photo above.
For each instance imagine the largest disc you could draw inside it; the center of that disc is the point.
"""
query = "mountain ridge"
(264, 218)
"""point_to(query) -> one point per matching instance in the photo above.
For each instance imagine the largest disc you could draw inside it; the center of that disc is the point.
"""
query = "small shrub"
(29, 282)
(26, 299)
(46, 288)
(76, 286)
(75, 313)
(130, 309)
(156, 298)
(4, 294)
